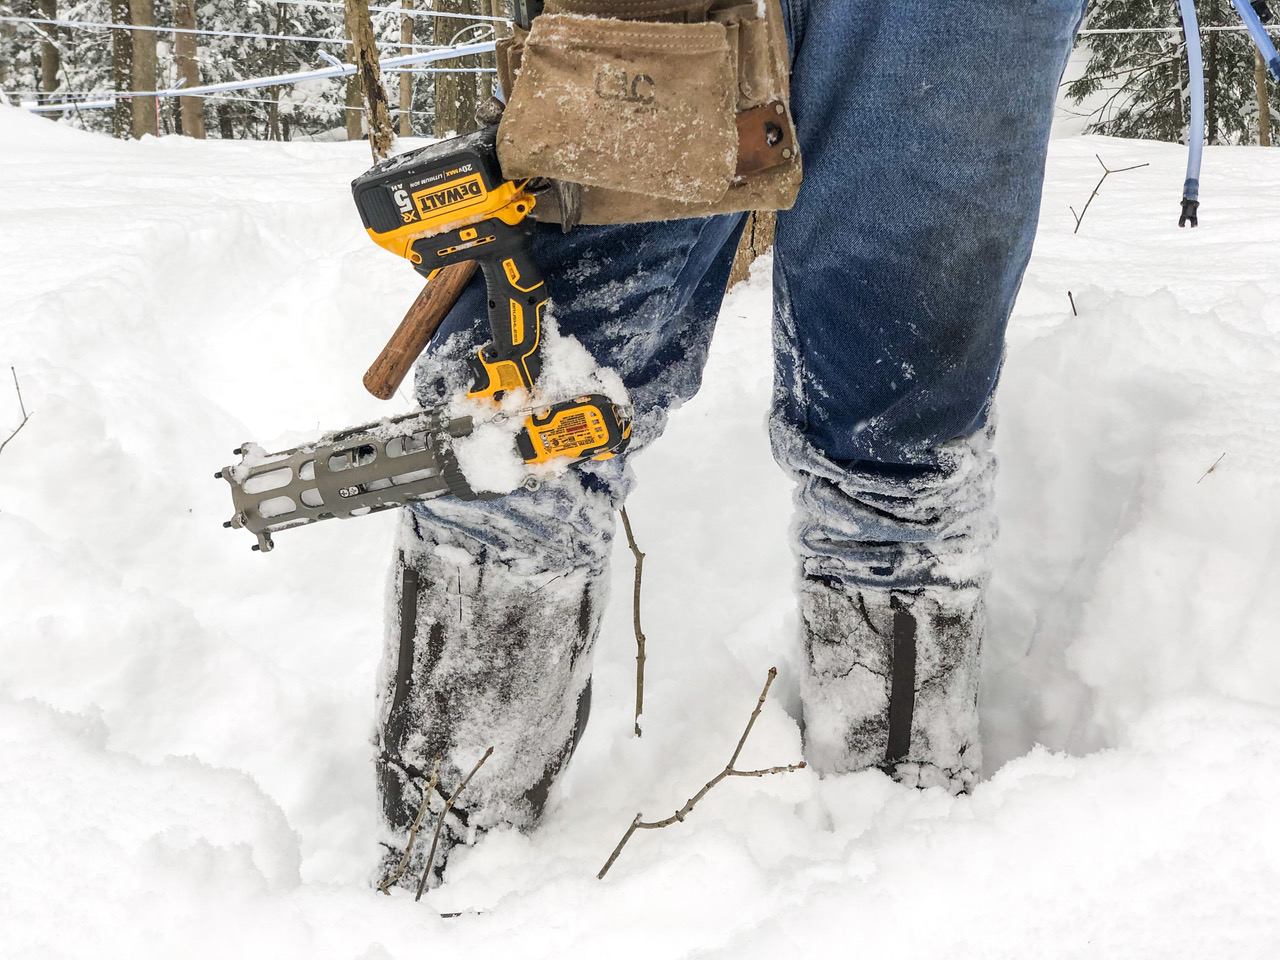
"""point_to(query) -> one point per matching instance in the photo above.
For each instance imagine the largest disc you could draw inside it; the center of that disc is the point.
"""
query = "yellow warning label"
(517, 323)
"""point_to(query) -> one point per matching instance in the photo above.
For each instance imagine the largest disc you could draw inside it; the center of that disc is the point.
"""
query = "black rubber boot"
(478, 654)
(892, 681)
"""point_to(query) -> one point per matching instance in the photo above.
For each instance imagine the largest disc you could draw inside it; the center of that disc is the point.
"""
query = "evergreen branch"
(1123, 71)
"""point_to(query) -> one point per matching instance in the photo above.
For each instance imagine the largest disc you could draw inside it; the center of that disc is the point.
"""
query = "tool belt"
(658, 109)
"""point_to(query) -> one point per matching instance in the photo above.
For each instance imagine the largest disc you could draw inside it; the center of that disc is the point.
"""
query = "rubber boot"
(479, 653)
(892, 681)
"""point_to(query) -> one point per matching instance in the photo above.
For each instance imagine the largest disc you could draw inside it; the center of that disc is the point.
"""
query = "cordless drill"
(443, 204)
(448, 203)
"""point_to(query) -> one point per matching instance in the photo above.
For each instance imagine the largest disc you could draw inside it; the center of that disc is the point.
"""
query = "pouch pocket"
(641, 107)
(672, 11)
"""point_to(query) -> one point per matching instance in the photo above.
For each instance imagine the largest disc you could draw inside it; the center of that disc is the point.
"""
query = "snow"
(488, 456)
(184, 724)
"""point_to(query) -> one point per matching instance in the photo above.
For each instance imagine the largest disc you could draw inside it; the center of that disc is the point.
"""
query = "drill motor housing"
(446, 203)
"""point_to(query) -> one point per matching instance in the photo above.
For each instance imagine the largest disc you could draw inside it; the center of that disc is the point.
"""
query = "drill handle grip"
(516, 295)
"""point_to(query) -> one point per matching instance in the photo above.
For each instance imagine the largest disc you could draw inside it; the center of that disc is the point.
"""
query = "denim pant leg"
(643, 300)
(923, 128)
(494, 605)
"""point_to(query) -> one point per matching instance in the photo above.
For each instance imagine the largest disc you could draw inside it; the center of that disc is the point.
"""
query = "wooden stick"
(728, 771)
(21, 406)
(448, 805)
(1206, 473)
(1107, 171)
(417, 328)
(385, 885)
(635, 619)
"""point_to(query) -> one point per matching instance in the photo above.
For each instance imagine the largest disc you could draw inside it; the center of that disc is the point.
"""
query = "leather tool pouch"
(659, 109)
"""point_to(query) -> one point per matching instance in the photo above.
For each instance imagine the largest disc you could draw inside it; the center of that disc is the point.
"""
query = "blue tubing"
(1195, 69)
(1260, 37)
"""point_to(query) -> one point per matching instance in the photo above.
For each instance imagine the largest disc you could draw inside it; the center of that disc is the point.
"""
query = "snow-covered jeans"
(923, 129)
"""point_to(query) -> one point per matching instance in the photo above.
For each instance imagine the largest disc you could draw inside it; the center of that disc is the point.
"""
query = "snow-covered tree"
(92, 62)
(1136, 84)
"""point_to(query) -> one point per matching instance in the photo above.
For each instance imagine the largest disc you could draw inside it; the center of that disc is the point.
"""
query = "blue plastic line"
(1259, 34)
(1195, 70)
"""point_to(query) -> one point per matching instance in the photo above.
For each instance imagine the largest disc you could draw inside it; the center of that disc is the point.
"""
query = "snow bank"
(183, 724)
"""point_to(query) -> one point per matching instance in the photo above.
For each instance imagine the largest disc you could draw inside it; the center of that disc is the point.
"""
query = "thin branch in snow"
(1212, 468)
(1073, 300)
(635, 617)
(385, 885)
(21, 406)
(1107, 171)
(728, 771)
(448, 805)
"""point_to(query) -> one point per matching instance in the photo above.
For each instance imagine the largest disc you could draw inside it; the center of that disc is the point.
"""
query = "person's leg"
(494, 605)
(923, 129)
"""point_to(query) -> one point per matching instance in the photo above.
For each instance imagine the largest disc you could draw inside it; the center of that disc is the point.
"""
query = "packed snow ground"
(184, 724)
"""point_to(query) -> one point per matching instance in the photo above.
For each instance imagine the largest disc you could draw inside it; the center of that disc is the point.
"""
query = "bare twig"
(448, 805)
(385, 885)
(1107, 171)
(729, 771)
(635, 616)
(1212, 468)
(21, 406)
(1073, 302)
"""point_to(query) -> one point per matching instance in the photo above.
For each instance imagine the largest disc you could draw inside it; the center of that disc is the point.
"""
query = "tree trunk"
(144, 67)
(225, 130)
(7, 32)
(273, 115)
(354, 112)
(121, 70)
(406, 79)
(1211, 85)
(191, 109)
(488, 81)
(446, 83)
(467, 85)
(756, 239)
(501, 29)
(377, 112)
(1264, 105)
(50, 59)
(274, 60)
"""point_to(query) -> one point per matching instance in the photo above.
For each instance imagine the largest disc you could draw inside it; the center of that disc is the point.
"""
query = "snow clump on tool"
(488, 457)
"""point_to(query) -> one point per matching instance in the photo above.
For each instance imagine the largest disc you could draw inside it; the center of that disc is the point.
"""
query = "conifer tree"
(1136, 84)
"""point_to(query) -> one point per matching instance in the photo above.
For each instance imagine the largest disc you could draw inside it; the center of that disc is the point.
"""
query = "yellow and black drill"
(437, 206)
(449, 203)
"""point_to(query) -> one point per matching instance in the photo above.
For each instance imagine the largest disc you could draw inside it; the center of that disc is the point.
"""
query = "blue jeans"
(923, 130)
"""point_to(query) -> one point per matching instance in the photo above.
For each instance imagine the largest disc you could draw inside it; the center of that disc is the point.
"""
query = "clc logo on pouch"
(614, 83)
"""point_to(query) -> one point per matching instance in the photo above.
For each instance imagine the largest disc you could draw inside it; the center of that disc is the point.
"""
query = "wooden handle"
(417, 328)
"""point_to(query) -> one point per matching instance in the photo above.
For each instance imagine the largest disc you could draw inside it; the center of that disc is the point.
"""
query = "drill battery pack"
(436, 189)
